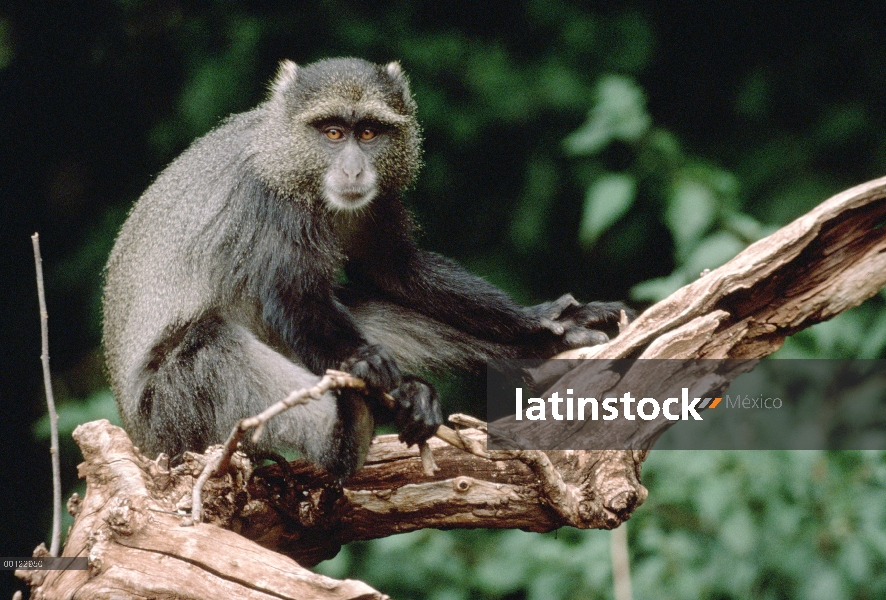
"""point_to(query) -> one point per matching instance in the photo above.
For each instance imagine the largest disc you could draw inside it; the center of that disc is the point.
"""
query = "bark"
(130, 522)
(129, 525)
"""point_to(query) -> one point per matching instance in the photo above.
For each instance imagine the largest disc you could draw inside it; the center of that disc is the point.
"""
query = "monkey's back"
(160, 272)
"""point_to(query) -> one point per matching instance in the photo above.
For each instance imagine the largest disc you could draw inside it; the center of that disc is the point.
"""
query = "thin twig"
(50, 403)
(220, 461)
(469, 445)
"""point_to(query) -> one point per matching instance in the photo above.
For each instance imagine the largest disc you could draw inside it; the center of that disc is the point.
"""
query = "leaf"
(746, 226)
(713, 251)
(690, 212)
(619, 113)
(606, 201)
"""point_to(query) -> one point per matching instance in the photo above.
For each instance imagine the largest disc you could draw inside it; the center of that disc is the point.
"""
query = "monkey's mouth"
(350, 198)
(354, 195)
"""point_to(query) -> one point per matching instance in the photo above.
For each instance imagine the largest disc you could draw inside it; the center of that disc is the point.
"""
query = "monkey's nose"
(352, 167)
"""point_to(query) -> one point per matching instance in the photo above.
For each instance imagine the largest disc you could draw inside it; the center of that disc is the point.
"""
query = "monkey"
(277, 246)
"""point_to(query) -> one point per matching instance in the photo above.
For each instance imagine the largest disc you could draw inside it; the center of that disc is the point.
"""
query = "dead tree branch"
(129, 525)
(827, 261)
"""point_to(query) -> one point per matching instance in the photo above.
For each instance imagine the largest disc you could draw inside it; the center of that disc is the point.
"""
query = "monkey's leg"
(212, 373)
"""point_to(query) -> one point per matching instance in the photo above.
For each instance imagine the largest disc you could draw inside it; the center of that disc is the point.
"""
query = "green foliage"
(761, 525)
(702, 207)
(482, 564)
(607, 200)
(71, 413)
(619, 114)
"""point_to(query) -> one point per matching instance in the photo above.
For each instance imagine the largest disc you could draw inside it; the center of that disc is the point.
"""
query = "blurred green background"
(611, 150)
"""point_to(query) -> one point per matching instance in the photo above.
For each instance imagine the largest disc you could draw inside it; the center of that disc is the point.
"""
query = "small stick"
(621, 565)
(220, 462)
(50, 402)
(454, 438)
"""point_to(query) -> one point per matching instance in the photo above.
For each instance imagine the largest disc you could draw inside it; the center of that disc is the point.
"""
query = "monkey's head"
(340, 131)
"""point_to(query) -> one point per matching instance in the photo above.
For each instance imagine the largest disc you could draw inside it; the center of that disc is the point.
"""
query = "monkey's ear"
(395, 72)
(287, 73)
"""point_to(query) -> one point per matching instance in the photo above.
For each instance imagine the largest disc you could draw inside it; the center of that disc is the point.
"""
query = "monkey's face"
(351, 181)
(352, 132)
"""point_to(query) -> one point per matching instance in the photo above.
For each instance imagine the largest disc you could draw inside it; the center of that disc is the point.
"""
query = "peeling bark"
(129, 526)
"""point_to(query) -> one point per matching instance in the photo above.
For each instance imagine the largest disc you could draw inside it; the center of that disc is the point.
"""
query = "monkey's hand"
(374, 365)
(581, 322)
(417, 412)
(576, 324)
(546, 314)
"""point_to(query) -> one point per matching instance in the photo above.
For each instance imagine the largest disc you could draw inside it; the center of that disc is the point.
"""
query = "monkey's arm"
(322, 334)
(440, 289)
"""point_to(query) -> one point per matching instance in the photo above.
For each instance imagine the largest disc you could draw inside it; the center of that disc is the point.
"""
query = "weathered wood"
(825, 262)
(391, 494)
(129, 526)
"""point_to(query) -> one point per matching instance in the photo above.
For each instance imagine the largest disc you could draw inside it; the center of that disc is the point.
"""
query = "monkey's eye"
(368, 133)
(334, 133)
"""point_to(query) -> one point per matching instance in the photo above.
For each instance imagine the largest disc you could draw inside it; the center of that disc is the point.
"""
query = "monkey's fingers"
(594, 313)
(552, 326)
(417, 412)
(549, 313)
(428, 464)
(374, 365)
(579, 337)
(562, 303)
